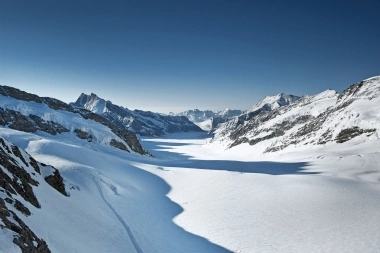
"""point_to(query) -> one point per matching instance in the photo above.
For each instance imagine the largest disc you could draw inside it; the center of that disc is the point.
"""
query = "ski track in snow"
(121, 220)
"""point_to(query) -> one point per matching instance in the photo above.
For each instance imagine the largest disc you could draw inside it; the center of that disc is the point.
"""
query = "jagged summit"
(91, 102)
(272, 102)
(144, 123)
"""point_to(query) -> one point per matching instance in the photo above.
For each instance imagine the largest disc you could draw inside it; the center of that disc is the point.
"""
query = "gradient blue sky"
(176, 55)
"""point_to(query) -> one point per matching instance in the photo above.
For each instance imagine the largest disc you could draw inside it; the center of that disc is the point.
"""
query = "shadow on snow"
(166, 157)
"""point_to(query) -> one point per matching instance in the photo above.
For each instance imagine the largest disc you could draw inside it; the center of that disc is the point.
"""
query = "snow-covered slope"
(312, 120)
(206, 120)
(295, 200)
(20, 176)
(140, 122)
(29, 113)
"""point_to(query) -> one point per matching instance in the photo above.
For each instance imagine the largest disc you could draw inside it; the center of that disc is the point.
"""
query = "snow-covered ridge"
(140, 122)
(321, 119)
(29, 113)
(273, 102)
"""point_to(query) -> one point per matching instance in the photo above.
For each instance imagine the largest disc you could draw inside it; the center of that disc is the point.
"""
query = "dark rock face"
(56, 181)
(16, 180)
(83, 135)
(19, 206)
(50, 127)
(349, 133)
(119, 145)
(30, 124)
(19, 94)
(56, 104)
(24, 237)
(20, 183)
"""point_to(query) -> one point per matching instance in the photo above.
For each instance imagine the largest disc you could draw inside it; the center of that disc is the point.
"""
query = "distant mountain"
(321, 119)
(144, 123)
(207, 119)
(27, 112)
(272, 102)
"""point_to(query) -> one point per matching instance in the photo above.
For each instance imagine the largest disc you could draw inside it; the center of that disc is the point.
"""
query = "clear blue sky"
(175, 55)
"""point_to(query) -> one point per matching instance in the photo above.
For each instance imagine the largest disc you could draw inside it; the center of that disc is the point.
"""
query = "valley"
(191, 197)
(293, 176)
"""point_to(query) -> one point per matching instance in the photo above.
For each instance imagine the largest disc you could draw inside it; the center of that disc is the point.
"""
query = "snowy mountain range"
(322, 119)
(74, 178)
(27, 112)
(207, 119)
(143, 123)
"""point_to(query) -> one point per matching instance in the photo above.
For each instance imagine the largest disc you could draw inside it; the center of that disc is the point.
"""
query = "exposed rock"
(56, 181)
(30, 124)
(349, 133)
(16, 180)
(24, 236)
(127, 136)
(16, 151)
(34, 164)
(19, 206)
(19, 94)
(83, 135)
(50, 127)
(16, 120)
(57, 104)
(21, 181)
(118, 144)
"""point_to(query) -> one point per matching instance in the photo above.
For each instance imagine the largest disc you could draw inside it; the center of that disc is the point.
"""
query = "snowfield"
(195, 196)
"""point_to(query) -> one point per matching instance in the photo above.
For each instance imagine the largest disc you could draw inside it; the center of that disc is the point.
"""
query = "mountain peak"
(91, 102)
(272, 102)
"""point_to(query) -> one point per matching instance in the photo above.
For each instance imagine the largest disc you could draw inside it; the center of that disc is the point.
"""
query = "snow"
(277, 206)
(195, 196)
(273, 102)
(6, 242)
(205, 125)
(101, 134)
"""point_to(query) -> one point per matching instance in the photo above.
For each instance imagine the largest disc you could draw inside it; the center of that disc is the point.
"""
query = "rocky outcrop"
(56, 104)
(350, 133)
(24, 237)
(83, 135)
(19, 174)
(127, 136)
(119, 145)
(56, 181)
(30, 124)
(19, 94)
